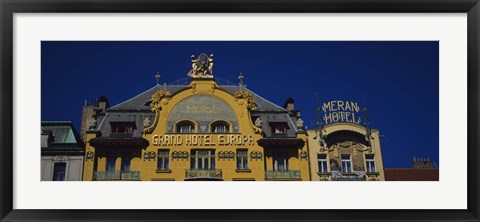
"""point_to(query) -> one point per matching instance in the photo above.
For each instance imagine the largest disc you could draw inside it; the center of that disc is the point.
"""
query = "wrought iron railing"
(117, 175)
(288, 174)
(195, 173)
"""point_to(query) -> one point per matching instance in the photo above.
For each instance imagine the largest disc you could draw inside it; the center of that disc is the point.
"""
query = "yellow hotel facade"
(203, 131)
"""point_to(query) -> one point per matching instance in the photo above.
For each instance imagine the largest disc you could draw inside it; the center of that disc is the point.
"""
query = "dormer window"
(185, 127)
(220, 127)
(278, 128)
(122, 127)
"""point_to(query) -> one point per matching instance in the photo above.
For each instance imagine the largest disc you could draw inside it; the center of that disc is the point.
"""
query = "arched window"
(185, 127)
(220, 127)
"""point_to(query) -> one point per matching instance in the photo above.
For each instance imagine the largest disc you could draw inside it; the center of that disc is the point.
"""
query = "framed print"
(173, 111)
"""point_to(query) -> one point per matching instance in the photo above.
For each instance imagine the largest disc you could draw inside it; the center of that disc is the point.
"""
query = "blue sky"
(398, 82)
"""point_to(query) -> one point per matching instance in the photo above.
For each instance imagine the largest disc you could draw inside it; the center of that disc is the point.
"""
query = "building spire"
(241, 77)
(157, 76)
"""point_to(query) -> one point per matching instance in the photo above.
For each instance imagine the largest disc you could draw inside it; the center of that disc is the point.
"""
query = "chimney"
(103, 103)
(288, 105)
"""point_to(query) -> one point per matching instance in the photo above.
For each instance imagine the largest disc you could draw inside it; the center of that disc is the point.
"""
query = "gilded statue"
(202, 66)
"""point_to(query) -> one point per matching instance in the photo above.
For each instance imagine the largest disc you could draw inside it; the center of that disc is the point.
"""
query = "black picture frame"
(9, 7)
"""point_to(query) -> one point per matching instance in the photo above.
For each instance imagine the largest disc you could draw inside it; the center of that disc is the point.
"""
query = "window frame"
(121, 128)
(215, 123)
(371, 161)
(179, 124)
(325, 161)
(243, 157)
(350, 170)
(65, 171)
(164, 157)
(210, 157)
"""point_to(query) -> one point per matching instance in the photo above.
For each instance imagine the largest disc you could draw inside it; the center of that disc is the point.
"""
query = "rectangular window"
(280, 161)
(202, 160)
(242, 159)
(370, 162)
(122, 127)
(163, 159)
(278, 128)
(322, 163)
(346, 163)
(59, 171)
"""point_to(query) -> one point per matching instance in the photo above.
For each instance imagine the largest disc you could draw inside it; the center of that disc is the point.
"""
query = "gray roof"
(137, 108)
(271, 117)
(140, 102)
(124, 116)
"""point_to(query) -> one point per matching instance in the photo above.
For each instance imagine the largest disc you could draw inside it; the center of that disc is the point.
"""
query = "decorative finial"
(241, 77)
(157, 77)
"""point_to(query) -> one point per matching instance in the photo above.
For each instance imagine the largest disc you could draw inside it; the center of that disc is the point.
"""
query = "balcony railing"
(194, 173)
(289, 174)
(117, 175)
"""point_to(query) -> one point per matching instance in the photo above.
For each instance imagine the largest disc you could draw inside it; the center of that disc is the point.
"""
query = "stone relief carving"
(243, 94)
(258, 122)
(300, 123)
(157, 98)
(146, 122)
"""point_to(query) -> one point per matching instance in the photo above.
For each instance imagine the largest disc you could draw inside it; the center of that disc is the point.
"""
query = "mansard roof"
(138, 108)
(141, 101)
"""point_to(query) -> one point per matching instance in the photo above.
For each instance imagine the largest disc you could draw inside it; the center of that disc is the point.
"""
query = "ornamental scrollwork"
(348, 144)
(180, 154)
(303, 155)
(157, 97)
(149, 155)
(243, 94)
(226, 155)
(90, 155)
(256, 155)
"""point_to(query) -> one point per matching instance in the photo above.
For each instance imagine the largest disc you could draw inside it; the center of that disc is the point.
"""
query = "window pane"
(160, 163)
(346, 164)
(192, 161)
(212, 162)
(59, 171)
(200, 164)
(322, 163)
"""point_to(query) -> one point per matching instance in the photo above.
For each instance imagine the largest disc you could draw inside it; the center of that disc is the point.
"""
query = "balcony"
(198, 175)
(282, 175)
(117, 175)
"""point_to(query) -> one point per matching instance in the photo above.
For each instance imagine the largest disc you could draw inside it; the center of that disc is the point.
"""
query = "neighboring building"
(62, 152)
(343, 149)
(91, 108)
(422, 170)
(198, 131)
